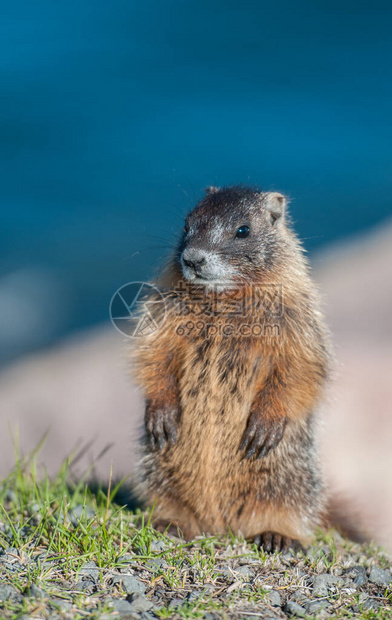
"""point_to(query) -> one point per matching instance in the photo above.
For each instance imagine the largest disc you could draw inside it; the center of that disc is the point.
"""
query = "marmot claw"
(161, 425)
(272, 542)
(261, 435)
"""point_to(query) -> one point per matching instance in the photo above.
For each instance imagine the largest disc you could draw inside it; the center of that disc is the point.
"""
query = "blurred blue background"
(115, 116)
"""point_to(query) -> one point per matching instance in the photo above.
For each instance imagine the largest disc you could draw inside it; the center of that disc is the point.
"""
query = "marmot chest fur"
(233, 376)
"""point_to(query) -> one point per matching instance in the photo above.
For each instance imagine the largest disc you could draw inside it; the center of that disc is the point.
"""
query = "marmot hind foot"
(272, 542)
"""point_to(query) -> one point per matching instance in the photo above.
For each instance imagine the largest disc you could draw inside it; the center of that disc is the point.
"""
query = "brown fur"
(212, 390)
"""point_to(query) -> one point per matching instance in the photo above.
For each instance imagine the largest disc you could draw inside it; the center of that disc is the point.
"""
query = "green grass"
(51, 547)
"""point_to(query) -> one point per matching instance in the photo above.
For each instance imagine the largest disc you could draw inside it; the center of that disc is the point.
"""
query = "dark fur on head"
(209, 239)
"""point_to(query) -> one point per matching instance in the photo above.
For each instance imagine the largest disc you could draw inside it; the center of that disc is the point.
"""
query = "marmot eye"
(242, 232)
(186, 229)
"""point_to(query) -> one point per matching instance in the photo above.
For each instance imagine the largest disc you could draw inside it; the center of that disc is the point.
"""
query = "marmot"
(233, 377)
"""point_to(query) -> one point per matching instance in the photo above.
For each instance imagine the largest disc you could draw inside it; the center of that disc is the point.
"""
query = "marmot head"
(231, 236)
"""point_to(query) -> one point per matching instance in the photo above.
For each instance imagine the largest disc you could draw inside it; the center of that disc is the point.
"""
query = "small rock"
(245, 572)
(323, 614)
(85, 585)
(81, 514)
(25, 532)
(314, 607)
(371, 604)
(10, 496)
(357, 574)
(44, 560)
(293, 609)
(317, 554)
(35, 513)
(131, 584)
(175, 602)
(300, 597)
(159, 593)
(35, 592)
(14, 567)
(4, 529)
(379, 576)
(7, 592)
(11, 556)
(123, 607)
(225, 574)
(322, 583)
(90, 569)
(139, 602)
(157, 546)
(249, 562)
(157, 563)
(274, 598)
(360, 579)
(194, 595)
(301, 573)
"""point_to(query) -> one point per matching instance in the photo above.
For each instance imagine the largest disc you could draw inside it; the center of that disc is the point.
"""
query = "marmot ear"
(211, 190)
(275, 203)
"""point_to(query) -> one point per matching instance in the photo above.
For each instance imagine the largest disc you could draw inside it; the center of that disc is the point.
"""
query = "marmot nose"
(194, 259)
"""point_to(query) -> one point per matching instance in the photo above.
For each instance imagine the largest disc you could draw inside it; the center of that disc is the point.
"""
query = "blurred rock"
(380, 576)
(293, 609)
(355, 280)
(80, 394)
(274, 598)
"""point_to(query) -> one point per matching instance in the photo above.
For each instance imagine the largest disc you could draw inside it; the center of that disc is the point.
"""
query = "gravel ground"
(70, 552)
(163, 577)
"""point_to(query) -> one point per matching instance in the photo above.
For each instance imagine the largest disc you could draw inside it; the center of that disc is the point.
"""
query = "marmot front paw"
(261, 435)
(162, 425)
